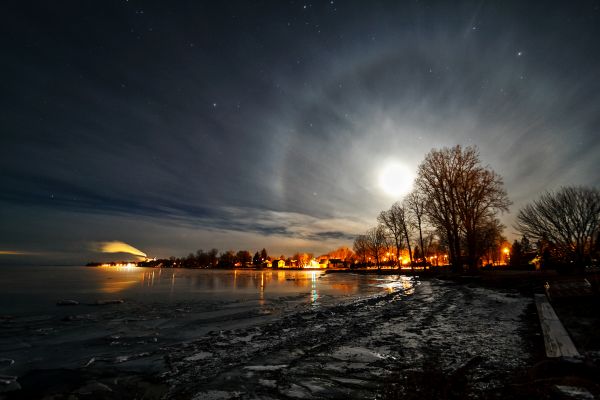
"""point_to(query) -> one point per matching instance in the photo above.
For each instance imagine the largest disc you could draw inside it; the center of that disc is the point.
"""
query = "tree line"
(212, 259)
(565, 224)
(454, 208)
(454, 204)
(343, 256)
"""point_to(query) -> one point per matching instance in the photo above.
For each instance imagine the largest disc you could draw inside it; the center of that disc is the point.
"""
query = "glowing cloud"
(120, 247)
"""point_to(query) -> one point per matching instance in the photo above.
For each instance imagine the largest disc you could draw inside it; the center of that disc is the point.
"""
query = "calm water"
(27, 290)
(161, 307)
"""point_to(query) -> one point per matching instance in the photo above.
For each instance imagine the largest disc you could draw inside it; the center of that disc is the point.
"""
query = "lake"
(160, 307)
(216, 334)
(27, 290)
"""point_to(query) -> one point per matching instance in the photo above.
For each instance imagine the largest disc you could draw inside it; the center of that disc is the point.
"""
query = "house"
(278, 263)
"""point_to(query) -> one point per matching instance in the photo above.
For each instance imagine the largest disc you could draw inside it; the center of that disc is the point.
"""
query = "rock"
(82, 317)
(6, 362)
(67, 303)
(199, 356)
(266, 367)
(270, 383)
(93, 387)
(107, 302)
(122, 359)
(574, 392)
(216, 395)
(8, 383)
(90, 362)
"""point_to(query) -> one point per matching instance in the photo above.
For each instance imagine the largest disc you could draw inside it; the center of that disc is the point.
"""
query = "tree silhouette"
(243, 257)
(567, 220)
(377, 243)
(361, 249)
(397, 224)
(415, 204)
(461, 197)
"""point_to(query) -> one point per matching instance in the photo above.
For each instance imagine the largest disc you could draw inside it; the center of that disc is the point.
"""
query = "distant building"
(278, 263)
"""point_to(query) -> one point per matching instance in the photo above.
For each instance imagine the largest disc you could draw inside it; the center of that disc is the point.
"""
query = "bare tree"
(343, 253)
(416, 203)
(303, 259)
(377, 243)
(461, 194)
(397, 222)
(434, 246)
(490, 239)
(569, 219)
(243, 257)
(360, 248)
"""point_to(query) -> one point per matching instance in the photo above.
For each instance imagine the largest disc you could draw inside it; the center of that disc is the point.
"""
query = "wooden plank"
(556, 339)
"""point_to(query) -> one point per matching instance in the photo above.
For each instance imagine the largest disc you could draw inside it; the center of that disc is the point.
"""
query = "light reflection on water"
(314, 294)
(20, 287)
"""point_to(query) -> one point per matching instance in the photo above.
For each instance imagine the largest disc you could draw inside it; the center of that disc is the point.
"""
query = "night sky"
(177, 126)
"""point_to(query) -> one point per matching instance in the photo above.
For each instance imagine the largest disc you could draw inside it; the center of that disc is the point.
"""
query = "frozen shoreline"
(353, 349)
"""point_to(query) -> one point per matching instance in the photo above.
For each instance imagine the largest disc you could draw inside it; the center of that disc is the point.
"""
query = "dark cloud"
(269, 122)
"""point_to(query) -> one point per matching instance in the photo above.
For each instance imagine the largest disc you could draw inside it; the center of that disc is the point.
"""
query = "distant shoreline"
(362, 271)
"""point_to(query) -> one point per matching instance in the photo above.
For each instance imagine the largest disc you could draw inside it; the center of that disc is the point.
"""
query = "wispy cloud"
(292, 149)
(14, 253)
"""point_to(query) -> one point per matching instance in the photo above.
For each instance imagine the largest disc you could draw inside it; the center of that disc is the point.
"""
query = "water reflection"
(262, 289)
(259, 285)
(314, 294)
(213, 288)
(402, 283)
(116, 286)
(125, 277)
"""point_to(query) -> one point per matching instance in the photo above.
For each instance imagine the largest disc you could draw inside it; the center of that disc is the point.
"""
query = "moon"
(396, 179)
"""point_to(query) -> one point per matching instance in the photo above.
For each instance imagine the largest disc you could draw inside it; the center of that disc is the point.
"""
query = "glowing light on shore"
(119, 265)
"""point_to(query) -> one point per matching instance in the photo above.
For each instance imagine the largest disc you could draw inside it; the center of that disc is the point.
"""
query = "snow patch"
(199, 356)
(265, 367)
